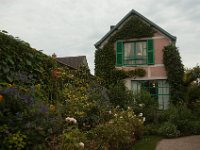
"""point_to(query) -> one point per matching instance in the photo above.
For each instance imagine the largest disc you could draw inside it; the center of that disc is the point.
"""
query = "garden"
(45, 105)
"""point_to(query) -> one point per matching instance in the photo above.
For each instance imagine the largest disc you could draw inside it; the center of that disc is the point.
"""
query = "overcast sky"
(72, 27)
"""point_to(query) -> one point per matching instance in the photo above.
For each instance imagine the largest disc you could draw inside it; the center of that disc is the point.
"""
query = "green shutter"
(150, 52)
(119, 53)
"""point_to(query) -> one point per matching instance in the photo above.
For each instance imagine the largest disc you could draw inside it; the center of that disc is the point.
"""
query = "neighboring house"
(74, 62)
(145, 53)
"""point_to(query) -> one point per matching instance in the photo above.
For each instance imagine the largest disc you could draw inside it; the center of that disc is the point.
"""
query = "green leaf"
(28, 62)
(6, 69)
(10, 79)
(11, 61)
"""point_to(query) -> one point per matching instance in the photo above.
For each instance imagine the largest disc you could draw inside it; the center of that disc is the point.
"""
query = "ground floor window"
(158, 89)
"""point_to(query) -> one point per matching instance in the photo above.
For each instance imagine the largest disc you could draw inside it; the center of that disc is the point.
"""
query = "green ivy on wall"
(175, 72)
(105, 58)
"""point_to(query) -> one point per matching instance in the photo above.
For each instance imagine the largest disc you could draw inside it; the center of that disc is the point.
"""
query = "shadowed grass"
(147, 143)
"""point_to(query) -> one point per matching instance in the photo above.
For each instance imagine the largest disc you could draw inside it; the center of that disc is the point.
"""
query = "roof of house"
(132, 13)
(75, 61)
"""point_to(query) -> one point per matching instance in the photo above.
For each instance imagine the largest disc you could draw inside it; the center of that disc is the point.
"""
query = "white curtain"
(128, 53)
(136, 86)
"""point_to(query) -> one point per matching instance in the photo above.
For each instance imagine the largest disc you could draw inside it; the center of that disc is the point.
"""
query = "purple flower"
(43, 109)
(9, 91)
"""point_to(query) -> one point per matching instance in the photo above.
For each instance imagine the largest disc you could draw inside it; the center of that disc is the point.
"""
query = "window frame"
(135, 58)
(148, 59)
(155, 96)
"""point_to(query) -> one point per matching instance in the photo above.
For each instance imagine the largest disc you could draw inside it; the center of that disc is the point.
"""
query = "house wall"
(156, 71)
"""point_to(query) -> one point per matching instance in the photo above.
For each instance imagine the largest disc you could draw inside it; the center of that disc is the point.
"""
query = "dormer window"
(134, 53)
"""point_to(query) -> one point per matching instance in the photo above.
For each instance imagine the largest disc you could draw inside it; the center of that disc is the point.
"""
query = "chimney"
(111, 27)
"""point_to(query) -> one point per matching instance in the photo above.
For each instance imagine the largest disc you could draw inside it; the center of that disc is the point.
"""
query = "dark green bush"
(175, 72)
(169, 130)
(119, 95)
(144, 103)
(194, 127)
(151, 129)
(20, 62)
(181, 116)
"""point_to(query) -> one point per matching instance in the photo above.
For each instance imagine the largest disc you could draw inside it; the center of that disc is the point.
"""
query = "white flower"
(144, 119)
(129, 108)
(110, 112)
(67, 119)
(140, 114)
(71, 120)
(81, 144)
(110, 122)
(141, 105)
(74, 120)
(115, 115)
(120, 117)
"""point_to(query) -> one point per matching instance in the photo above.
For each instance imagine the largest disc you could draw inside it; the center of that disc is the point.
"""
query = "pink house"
(145, 53)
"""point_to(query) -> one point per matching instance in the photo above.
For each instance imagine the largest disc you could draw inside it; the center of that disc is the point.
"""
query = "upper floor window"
(134, 53)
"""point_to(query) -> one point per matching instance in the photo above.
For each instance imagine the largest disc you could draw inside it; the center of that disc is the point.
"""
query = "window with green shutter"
(134, 53)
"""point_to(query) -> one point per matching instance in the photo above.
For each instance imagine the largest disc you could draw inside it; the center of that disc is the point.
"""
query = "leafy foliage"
(192, 86)
(169, 130)
(120, 132)
(18, 57)
(143, 102)
(175, 72)
(120, 96)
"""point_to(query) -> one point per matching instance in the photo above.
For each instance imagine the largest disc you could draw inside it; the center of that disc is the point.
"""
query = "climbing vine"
(175, 71)
(105, 57)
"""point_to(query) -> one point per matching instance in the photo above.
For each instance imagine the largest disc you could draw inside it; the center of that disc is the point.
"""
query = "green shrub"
(175, 72)
(143, 102)
(15, 141)
(151, 129)
(194, 127)
(169, 130)
(15, 51)
(72, 137)
(119, 95)
(180, 116)
(119, 133)
(26, 109)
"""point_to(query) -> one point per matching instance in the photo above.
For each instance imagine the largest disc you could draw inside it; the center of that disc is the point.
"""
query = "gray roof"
(132, 13)
(74, 62)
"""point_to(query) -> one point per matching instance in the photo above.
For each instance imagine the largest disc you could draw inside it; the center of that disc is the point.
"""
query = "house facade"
(144, 52)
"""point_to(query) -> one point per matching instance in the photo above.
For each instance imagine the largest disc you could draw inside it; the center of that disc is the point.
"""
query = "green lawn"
(147, 143)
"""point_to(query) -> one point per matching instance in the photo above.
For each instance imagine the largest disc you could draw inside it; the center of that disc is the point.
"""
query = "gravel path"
(183, 143)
